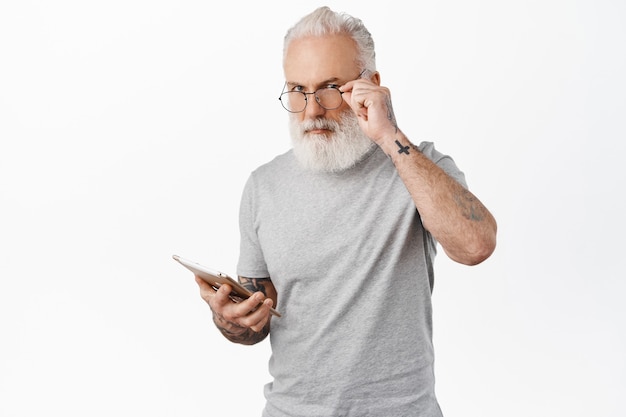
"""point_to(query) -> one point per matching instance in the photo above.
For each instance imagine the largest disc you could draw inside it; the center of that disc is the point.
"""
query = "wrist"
(396, 144)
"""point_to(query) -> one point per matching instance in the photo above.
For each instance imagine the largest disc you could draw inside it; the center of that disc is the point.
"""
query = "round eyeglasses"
(329, 98)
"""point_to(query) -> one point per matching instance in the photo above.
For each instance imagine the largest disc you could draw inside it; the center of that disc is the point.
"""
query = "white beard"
(342, 149)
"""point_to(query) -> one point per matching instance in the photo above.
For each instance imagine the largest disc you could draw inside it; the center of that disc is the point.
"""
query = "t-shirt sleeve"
(251, 262)
(445, 162)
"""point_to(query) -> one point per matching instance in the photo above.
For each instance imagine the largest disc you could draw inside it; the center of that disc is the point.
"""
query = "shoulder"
(428, 149)
(442, 160)
(271, 175)
(281, 164)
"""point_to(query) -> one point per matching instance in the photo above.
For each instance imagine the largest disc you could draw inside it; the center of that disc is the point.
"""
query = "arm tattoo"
(239, 334)
(253, 284)
(390, 115)
(471, 208)
(403, 149)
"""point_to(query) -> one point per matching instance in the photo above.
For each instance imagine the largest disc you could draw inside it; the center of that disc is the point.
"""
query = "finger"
(259, 318)
(256, 307)
(350, 85)
(357, 107)
(232, 309)
(218, 300)
(259, 326)
(222, 295)
(253, 303)
(359, 100)
(347, 87)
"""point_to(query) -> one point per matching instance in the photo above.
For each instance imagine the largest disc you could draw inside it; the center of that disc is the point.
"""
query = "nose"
(313, 109)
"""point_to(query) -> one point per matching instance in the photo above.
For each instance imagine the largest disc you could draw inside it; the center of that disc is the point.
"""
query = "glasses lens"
(329, 98)
(293, 101)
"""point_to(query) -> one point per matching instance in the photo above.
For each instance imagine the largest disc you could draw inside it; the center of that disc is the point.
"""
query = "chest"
(308, 226)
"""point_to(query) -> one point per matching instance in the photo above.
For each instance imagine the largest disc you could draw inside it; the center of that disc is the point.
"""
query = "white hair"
(323, 21)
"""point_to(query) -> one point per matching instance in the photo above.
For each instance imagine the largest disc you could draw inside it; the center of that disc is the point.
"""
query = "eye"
(331, 86)
(297, 88)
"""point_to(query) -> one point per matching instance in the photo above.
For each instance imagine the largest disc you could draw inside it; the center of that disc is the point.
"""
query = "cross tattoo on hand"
(403, 149)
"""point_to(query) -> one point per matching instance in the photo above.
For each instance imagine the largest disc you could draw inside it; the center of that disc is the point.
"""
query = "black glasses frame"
(314, 93)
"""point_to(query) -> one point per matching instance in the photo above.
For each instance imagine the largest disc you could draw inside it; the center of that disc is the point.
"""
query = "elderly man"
(340, 234)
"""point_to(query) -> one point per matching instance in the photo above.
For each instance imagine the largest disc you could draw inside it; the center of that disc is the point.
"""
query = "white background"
(127, 131)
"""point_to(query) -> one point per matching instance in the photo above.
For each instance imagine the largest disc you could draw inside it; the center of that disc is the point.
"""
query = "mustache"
(326, 124)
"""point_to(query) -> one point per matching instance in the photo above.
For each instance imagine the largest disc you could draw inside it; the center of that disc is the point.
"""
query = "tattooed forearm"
(472, 209)
(253, 284)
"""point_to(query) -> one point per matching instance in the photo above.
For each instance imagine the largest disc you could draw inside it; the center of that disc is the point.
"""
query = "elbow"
(477, 251)
(480, 255)
(484, 244)
(483, 249)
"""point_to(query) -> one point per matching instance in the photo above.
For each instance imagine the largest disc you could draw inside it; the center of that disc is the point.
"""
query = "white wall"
(127, 130)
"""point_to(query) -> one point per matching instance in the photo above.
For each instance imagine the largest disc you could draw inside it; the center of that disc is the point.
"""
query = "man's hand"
(246, 322)
(372, 105)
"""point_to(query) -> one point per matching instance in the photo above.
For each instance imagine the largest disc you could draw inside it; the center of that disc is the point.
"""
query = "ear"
(375, 78)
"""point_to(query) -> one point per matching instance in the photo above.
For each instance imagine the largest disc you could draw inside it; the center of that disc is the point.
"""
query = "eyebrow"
(333, 80)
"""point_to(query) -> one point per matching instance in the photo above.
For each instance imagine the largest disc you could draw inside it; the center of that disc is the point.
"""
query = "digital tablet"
(216, 279)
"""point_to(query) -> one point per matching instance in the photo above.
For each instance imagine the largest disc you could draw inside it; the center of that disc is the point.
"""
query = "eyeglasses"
(329, 98)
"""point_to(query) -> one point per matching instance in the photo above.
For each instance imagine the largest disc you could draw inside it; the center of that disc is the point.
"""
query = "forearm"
(453, 215)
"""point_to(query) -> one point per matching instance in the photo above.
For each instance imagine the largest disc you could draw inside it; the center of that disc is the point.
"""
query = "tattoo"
(248, 337)
(390, 115)
(471, 208)
(238, 334)
(253, 284)
(403, 149)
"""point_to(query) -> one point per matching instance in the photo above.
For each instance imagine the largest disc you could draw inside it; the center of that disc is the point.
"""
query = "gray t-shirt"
(352, 266)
